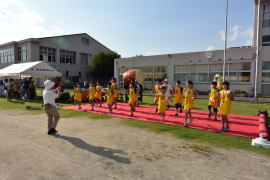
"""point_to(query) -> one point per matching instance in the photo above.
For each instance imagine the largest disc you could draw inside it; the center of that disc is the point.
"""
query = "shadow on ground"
(98, 150)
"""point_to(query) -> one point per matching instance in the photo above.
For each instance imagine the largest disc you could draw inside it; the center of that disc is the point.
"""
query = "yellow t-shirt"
(132, 97)
(189, 98)
(92, 92)
(178, 96)
(157, 91)
(213, 97)
(162, 103)
(115, 90)
(109, 95)
(225, 102)
(78, 95)
(98, 94)
(219, 85)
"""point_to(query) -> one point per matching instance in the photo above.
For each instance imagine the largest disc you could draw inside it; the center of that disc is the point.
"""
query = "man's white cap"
(48, 84)
(165, 80)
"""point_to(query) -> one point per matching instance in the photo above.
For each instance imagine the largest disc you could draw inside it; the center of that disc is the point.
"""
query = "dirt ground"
(107, 149)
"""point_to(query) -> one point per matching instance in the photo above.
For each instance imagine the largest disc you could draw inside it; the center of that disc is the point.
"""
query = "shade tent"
(30, 69)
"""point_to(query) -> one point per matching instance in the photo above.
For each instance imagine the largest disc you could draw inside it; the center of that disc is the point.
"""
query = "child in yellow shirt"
(109, 96)
(78, 95)
(98, 95)
(189, 98)
(226, 98)
(115, 92)
(92, 93)
(213, 100)
(162, 102)
(157, 91)
(178, 97)
(132, 98)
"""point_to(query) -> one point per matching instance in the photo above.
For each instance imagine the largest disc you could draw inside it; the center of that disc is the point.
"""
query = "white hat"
(48, 84)
(165, 80)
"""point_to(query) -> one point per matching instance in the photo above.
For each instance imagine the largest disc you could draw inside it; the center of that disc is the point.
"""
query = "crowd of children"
(220, 98)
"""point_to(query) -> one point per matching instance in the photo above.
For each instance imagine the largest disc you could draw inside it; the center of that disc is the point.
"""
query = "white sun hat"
(48, 84)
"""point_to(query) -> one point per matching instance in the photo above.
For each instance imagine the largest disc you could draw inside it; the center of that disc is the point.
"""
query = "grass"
(20, 105)
(199, 137)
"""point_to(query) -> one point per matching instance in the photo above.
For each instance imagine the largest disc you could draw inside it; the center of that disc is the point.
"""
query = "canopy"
(30, 69)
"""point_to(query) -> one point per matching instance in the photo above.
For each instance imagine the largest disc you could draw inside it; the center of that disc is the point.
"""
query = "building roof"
(37, 40)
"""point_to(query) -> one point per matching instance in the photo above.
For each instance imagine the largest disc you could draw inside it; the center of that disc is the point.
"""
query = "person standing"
(189, 96)
(49, 96)
(226, 98)
(91, 95)
(132, 98)
(109, 96)
(78, 95)
(115, 92)
(178, 97)
(219, 81)
(213, 100)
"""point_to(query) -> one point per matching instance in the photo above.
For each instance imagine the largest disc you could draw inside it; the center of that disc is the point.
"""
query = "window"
(7, 55)
(204, 73)
(67, 74)
(47, 54)
(266, 15)
(239, 72)
(151, 74)
(266, 41)
(266, 89)
(85, 41)
(195, 73)
(266, 72)
(22, 53)
(67, 57)
(266, 65)
(84, 59)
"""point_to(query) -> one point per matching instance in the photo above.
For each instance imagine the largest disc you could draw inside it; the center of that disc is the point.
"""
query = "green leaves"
(102, 66)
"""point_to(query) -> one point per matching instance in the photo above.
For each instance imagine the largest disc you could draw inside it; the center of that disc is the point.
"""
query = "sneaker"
(227, 128)
(215, 119)
(80, 108)
(54, 131)
(176, 114)
(190, 120)
(210, 114)
(222, 129)
(181, 111)
(50, 132)
(185, 124)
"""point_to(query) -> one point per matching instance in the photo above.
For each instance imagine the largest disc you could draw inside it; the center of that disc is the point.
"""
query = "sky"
(132, 27)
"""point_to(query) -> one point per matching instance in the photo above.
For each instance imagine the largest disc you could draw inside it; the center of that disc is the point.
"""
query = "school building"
(200, 67)
(69, 54)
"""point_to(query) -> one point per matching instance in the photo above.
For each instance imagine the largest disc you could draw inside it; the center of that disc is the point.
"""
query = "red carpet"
(241, 125)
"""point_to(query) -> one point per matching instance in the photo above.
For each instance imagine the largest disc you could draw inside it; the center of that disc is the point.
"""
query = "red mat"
(241, 125)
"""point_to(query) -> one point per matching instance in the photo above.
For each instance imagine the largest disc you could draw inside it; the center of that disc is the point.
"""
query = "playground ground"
(107, 148)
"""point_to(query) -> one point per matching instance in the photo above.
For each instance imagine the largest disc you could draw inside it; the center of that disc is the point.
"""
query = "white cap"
(165, 80)
(48, 84)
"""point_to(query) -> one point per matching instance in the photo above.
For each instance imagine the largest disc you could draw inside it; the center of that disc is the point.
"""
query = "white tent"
(30, 69)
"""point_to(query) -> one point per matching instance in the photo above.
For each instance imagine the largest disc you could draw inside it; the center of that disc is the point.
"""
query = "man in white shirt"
(169, 89)
(49, 96)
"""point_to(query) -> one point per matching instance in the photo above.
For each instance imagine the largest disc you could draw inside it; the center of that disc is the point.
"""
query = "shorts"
(214, 109)
(179, 105)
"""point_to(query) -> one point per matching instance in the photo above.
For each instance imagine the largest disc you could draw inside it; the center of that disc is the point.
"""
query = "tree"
(102, 66)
